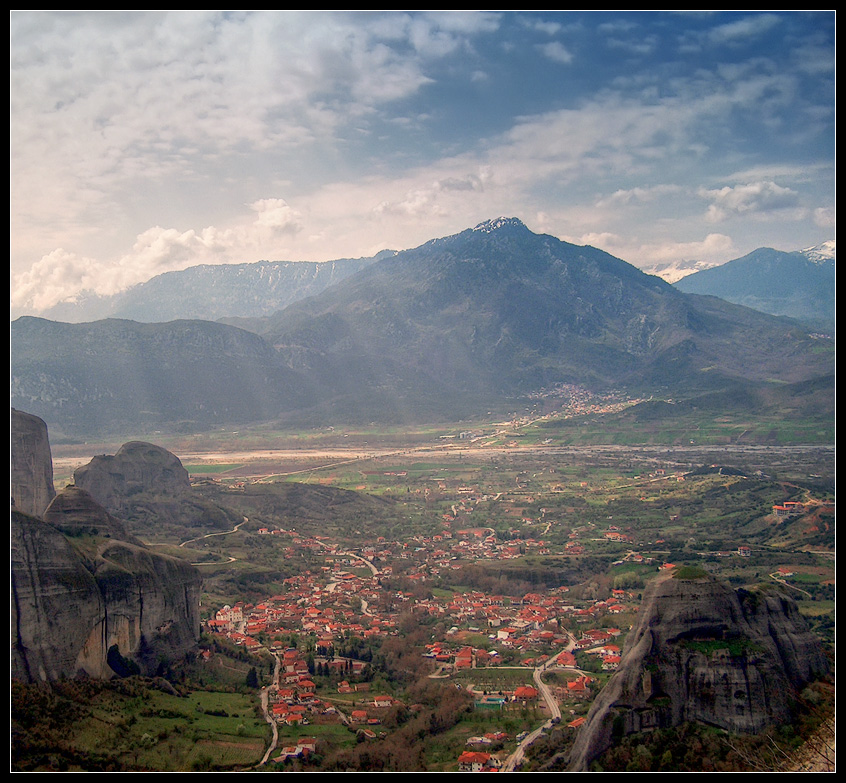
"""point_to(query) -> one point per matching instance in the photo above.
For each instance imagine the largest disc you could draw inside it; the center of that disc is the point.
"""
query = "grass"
(136, 726)
(442, 753)
(493, 679)
(690, 572)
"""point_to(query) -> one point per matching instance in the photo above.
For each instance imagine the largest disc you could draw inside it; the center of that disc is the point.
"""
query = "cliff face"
(31, 464)
(703, 652)
(136, 467)
(56, 604)
(78, 589)
(82, 588)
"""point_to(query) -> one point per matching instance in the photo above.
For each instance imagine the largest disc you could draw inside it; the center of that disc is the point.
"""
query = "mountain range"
(452, 328)
(211, 292)
(799, 284)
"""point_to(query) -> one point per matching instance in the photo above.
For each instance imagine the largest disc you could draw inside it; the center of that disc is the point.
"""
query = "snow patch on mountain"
(673, 271)
(820, 253)
(489, 226)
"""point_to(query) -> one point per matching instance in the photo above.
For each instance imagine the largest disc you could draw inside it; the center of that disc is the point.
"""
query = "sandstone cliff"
(78, 590)
(136, 467)
(86, 594)
(703, 652)
(149, 489)
(31, 466)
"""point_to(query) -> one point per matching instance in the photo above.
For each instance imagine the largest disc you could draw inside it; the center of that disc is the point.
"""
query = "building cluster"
(353, 596)
(336, 604)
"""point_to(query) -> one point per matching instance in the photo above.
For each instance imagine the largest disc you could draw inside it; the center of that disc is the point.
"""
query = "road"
(211, 535)
(268, 716)
(516, 758)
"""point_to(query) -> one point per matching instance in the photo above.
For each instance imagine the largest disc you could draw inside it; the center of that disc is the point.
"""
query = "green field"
(137, 726)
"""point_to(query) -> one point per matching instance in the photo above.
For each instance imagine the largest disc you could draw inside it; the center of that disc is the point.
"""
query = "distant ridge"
(460, 325)
(213, 292)
(798, 284)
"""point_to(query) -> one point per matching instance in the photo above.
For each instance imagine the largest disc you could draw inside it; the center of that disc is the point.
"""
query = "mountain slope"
(453, 328)
(499, 311)
(115, 375)
(798, 285)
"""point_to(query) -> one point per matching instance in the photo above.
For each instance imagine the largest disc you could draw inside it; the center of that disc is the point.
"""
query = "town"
(448, 603)
(321, 638)
(311, 630)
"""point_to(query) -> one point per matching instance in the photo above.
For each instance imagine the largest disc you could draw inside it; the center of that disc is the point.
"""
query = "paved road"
(516, 758)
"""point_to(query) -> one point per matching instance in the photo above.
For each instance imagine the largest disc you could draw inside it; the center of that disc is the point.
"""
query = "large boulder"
(136, 467)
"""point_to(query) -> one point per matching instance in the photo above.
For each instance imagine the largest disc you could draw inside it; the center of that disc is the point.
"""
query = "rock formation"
(703, 652)
(75, 513)
(56, 604)
(31, 466)
(149, 489)
(136, 467)
(86, 596)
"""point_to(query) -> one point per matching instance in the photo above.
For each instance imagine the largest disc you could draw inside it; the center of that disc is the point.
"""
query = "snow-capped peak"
(501, 222)
(820, 253)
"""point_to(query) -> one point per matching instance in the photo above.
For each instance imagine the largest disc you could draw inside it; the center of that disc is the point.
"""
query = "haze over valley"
(422, 391)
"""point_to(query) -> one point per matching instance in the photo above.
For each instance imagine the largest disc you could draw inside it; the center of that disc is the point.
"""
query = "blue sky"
(151, 141)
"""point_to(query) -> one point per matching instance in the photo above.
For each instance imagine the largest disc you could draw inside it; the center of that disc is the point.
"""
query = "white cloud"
(430, 200)
(556, 51)
(755, 198)
(542, 26)
(825, 217)
(743, 29)
(275, 213)
(713, 249)
(55, 277)
(637, 195)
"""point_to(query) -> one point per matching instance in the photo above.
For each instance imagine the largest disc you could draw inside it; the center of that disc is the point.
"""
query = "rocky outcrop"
(88, 598)
(56, 604)
(81, 588)
(31, 465)
(136, 467)
(75, 513)
(703, 652)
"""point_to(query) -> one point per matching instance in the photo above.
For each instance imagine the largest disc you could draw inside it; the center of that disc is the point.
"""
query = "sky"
(146, 142)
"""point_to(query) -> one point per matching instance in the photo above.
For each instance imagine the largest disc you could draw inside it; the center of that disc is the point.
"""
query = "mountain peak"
(821, 253)
(489, 226)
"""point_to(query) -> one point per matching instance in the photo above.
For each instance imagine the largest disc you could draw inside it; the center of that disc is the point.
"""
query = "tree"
(252, 678)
